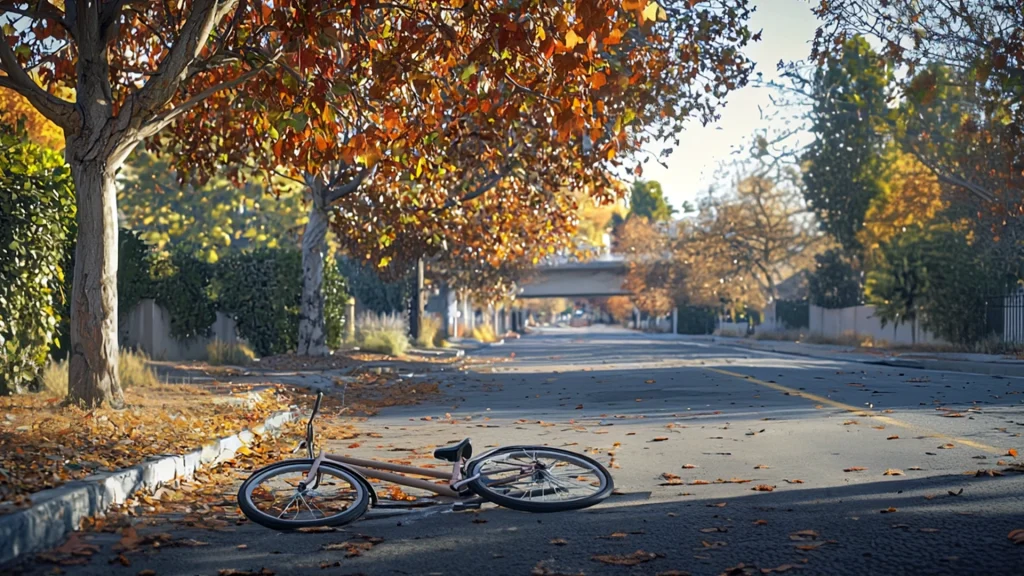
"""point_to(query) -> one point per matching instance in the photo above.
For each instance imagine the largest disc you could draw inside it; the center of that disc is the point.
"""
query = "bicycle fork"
(314, 474)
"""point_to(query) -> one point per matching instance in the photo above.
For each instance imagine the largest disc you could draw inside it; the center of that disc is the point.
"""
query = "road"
(704, 412)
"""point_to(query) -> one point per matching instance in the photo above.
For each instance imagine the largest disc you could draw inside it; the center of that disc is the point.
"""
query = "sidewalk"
(989, 364)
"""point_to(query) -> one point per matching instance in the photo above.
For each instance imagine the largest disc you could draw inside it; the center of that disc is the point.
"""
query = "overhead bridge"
(597, 278)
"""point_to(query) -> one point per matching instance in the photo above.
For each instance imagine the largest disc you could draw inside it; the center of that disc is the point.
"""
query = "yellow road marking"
(862, 412)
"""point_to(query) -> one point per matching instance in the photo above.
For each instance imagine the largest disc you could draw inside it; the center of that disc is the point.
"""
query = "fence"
(860, 322)
(148, 328)
(1004, 316)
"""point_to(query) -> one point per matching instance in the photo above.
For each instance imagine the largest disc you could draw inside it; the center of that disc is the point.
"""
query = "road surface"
(823, 434)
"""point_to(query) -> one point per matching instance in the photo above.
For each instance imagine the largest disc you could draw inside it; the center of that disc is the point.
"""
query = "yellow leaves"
(652, 12)
(571, 39)
(893, 472)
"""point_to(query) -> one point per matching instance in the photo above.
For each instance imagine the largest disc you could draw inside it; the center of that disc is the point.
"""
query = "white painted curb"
(54, 513)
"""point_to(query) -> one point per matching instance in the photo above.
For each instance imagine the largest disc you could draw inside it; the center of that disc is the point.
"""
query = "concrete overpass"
(592, 279)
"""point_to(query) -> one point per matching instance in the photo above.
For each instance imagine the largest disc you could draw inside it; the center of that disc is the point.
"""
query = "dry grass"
(729, 333)
(132, 368)
(383, 333)
(220, 353)
(779, 335)
(430, 332)
(485, 333)
(848, 338)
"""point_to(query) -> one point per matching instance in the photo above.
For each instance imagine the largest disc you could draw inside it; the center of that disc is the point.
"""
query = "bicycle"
(333, 490)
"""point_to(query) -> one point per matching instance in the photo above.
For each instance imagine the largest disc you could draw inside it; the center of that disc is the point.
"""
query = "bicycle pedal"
(471, 505)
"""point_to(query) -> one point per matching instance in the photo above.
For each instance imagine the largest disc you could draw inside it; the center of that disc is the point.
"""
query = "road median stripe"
(861, 412)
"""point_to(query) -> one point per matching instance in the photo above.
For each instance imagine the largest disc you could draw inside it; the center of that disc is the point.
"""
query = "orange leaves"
(1012, 452)
(597, 80)
(888, 510)
(671, 479)
(893, 437)
(638, 557)
(854, 469)
(1016, 536)
(763, 488)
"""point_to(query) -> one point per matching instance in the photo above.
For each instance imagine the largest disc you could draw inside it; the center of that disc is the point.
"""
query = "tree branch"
(159, 89)
(161, 120)
(336, 193)
(57, 110)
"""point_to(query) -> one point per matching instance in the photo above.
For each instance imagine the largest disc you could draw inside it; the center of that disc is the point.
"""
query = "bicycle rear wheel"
(271, 496)
(540, 479)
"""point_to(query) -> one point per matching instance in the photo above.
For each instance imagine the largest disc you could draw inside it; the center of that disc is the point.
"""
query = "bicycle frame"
(378, 470)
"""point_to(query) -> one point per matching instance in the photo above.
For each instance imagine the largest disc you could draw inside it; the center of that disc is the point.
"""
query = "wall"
(861, 322)
(148, 328)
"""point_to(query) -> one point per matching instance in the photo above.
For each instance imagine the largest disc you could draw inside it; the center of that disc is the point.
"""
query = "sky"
(787, 31)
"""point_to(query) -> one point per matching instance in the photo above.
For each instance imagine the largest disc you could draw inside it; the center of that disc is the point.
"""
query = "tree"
(134, 68)
(898, 283)
(648, 201)
(981, 43)
(343, 92)
(844, 162)
(835, 282)
(15, 110)
(652, 276)
(909, 195)
(212, 217)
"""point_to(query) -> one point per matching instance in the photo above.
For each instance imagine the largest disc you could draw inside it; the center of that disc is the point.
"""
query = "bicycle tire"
(480, 488)
(252, 512)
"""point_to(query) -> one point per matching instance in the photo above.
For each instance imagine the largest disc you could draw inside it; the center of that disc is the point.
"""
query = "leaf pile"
(44, 445)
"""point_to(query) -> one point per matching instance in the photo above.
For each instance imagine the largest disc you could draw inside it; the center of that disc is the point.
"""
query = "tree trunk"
(93, 379)
(312, 329)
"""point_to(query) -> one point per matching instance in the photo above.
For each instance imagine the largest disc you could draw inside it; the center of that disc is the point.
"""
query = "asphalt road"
(717, 412)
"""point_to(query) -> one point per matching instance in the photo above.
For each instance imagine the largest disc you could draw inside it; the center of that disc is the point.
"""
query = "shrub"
(37, 212)
(261, 290)
(376, 294)
(132, 367)
(835, 283)
(220, 353)
(430, 332)
(336, 297)
(383, 333)
(182, 286)
(485, 333)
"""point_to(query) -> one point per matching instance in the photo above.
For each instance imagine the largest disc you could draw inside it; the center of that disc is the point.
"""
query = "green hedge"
(261, 290)
(37, 212)
(182, 286)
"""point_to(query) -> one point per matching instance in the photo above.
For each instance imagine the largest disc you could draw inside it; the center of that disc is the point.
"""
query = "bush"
(835, 283)
(485, 333)
(182, 286)
(383, 333)
(37, 212)
(262, 290)
(132, 367)
(431, 335)
(374, 293)
(220, 353)
(336, 297)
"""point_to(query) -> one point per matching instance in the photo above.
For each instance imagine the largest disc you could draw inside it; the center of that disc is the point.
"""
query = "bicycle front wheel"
(539, 479)
(271, 496)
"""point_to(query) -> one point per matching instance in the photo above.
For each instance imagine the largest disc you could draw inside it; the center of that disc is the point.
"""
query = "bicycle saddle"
(455, 452)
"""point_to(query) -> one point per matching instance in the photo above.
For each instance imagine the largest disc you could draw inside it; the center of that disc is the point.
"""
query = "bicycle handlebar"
(316, 404)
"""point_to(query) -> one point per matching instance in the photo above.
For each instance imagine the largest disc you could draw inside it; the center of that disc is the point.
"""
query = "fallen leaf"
(804, 535)
(1017, 536)
(558, 541)
(929, 530)
(851, 423)
(718, 505)
(888, 510)
(659, 439)
(763, 488)
(779, 569)
(761, 467)
(893, 472)
(716, 544)
(893, 437)
(146, 572)
(689, 466)
(957, 493)
(854, 469)
(947, 446)
(638, 557)
(1012, 452)
(614, 536)
(760, 522)
(714, 529)
(793, 481)
(699, 482)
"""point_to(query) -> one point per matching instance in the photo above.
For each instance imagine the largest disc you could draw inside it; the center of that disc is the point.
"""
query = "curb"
(59, 511)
